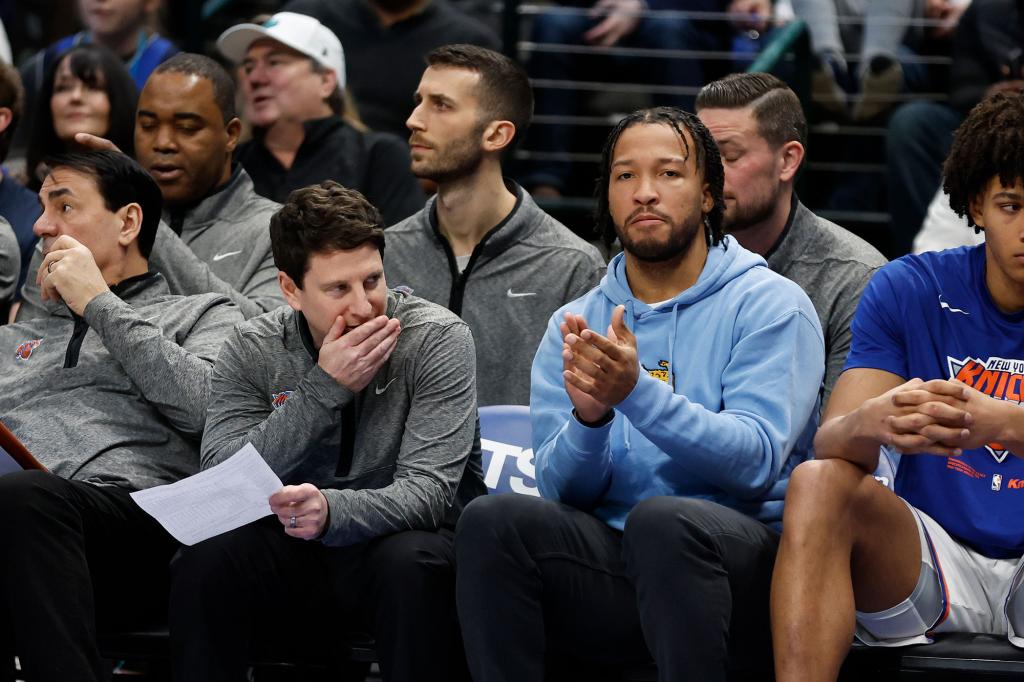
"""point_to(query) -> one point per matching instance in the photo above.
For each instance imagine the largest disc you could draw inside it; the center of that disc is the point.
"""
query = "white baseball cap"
(298, 31)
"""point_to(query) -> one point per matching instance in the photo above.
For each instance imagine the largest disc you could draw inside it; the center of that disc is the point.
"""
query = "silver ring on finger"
(293, 522)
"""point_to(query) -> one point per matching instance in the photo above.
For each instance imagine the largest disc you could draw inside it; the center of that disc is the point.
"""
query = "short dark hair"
(121, 181)
(191, 64)
(988, 144)
(319, 219)
(505, 93)
(12, 96)
(777, 110)
(97, 67)
(709, 164)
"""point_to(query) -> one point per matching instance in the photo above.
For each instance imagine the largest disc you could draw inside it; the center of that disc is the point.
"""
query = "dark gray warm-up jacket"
(402, 454)
(523, 270)
(119, 396)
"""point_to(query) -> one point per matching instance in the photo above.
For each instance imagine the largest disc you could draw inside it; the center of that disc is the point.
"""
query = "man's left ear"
(707, 200)
(498, 135)
(234, 132)
(791, 155)
(131, 224)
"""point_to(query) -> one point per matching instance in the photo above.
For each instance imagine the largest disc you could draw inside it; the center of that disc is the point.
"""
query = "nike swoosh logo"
(222, 256)
(946, 306)
(378, 390)
(513, 294)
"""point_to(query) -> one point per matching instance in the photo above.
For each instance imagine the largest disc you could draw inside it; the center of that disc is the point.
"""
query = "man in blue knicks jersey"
(935, 372)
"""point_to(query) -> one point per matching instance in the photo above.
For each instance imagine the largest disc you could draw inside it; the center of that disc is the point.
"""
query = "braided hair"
(709, 165)
(989, 143)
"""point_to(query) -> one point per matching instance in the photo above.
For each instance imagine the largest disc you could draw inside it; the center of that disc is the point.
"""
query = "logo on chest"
(1001, 378)
(662, 373)
(24, 351)
(277, 399)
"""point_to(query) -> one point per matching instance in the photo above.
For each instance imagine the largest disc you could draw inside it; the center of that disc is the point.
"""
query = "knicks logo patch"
(1001, 378)
(277, 399)
(24, 351)
(662, 373)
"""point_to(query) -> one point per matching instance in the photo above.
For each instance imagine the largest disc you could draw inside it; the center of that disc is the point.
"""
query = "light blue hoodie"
(725, 410)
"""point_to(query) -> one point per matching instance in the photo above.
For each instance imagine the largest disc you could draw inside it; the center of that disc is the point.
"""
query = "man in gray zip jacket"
(482, 247)
(213, 236)
(108, 390)
(363, 401)
(759, 126)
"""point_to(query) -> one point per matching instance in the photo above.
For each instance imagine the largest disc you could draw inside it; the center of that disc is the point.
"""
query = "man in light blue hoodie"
(663, 445)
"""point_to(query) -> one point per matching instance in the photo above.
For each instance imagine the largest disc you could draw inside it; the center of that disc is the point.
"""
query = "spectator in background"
(987, 58)
(482, 247)
(87, 90)
(398, 34)
(17, 204)
(621, 23)
(884, 26)
(293, 75)
(214, 235)
(759, 126)
(123, 26)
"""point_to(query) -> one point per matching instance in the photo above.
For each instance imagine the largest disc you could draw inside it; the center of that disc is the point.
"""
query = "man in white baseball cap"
(292, 77)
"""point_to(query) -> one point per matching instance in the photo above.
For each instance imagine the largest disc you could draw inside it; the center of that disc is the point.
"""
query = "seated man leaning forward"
(663, 442)
(363, 401)
(109, 391)
(935, 372)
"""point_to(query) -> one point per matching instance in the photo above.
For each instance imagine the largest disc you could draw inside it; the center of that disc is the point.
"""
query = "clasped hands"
(599, 371)
(937, 417)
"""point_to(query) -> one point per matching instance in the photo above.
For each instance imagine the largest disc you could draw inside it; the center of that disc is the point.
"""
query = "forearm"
(737, 450)
(849, 437)
(1012, 436)
(417, 502)
(174, 379)
(575, 466)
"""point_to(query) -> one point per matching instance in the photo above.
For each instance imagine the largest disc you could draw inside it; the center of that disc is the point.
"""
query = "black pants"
(256, 590)
(73, 555)
(686, 583)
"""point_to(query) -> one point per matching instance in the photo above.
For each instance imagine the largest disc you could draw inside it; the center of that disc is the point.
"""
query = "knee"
(414, 558)
(824, 491)
(27, 497)
(491, 518)
(661, 524)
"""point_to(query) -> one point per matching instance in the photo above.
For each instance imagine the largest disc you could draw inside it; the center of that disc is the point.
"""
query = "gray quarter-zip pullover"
(402, 454)
(119, 396)
(522, 271)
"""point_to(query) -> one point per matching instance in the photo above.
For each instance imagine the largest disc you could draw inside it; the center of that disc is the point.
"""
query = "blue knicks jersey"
(931, 316)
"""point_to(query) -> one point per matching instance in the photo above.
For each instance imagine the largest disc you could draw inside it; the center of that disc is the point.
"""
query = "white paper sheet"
(222, 498)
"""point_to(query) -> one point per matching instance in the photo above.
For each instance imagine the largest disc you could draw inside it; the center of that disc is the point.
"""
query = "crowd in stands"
(318, 240)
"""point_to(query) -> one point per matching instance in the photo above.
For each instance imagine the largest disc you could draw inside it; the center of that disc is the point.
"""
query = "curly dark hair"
(988, 144)
(320, 219)
(709, 164)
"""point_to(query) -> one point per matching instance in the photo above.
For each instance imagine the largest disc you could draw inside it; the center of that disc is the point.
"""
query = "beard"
(652, 250)
(754, 211)
(459, 159)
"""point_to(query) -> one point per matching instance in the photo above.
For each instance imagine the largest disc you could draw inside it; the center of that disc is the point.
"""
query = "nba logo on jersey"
(997, 481)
